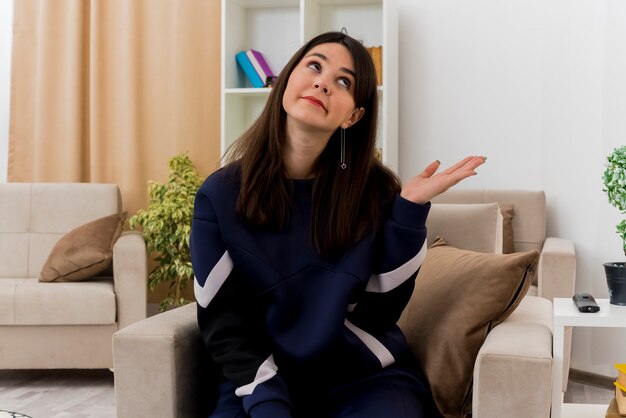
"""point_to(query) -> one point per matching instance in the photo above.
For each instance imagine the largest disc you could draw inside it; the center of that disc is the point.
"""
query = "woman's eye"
(314, 66)
(344, 82)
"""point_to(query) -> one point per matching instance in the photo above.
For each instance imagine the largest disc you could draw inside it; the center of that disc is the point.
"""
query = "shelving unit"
(278, 28)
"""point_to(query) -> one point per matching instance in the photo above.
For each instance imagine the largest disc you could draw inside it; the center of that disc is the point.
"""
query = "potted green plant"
(166, 226)
(614, 179)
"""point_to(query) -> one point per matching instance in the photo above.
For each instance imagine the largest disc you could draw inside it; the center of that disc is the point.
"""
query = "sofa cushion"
(474, 226)
(14, 254)
(7, 294)
(57, 208)
(459, 297)
(15, 207)
(30, 302)
(530, 211)
(508, 238)
(533, 310)
(84, 251)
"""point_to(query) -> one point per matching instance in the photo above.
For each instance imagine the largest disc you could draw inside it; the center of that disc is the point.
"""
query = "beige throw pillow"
(459, 297)
(84, 251)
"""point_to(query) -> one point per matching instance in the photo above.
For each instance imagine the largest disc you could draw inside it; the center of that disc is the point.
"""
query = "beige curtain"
(110, 90)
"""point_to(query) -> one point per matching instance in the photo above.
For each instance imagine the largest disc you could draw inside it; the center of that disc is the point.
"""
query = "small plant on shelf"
(614, 180)
(615, 186)
(166, 226)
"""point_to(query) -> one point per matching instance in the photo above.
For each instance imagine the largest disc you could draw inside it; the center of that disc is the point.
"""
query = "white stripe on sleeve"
(375, 346)
(266, 371)
(215, 280)
(384, 282)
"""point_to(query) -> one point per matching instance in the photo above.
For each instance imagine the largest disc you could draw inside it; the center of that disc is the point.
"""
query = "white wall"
(6, 28)
(540, 89)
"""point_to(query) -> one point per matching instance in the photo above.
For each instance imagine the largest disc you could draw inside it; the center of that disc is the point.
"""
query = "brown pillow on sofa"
(459, 297)
(508, 241)
(84, 251)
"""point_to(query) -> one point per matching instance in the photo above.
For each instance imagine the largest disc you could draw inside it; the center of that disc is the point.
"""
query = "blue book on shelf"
(246, 66)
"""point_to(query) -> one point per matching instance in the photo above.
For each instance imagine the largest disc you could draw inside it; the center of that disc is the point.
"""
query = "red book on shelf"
(261, 67)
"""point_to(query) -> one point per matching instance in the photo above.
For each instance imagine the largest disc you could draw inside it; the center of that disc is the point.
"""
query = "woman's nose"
(321, 85)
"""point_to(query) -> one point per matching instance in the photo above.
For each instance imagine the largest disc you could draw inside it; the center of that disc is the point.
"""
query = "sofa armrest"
(513, 369)
(130, 276)
(159, 368)
(557, 269)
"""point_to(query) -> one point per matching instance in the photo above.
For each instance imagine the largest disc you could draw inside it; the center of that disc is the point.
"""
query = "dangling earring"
(343, 149)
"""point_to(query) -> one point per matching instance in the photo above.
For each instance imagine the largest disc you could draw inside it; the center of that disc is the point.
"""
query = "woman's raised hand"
(423, 187)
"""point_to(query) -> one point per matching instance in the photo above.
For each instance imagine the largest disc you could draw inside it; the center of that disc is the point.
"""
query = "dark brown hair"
(347, 204)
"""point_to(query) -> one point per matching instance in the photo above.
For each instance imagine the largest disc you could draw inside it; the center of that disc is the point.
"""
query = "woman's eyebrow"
(324, 58)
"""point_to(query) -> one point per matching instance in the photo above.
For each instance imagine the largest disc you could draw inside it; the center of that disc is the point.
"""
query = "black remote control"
(585, 302)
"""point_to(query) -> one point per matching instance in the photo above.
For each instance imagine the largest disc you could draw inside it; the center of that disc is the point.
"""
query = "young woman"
(305, 249)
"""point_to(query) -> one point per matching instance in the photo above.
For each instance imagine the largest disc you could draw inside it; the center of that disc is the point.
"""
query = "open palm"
(423, 187)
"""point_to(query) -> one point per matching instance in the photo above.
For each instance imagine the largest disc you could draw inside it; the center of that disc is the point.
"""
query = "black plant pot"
(616, 281)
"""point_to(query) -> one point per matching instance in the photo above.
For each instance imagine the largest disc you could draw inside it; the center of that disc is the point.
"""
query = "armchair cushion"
(459, 297)
(83, 252)
(508, 239)
(474, 226)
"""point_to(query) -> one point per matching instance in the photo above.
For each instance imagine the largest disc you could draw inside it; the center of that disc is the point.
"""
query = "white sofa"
(63, 324)
(512, 374)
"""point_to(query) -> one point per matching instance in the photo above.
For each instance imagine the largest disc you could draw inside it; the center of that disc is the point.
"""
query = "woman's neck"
(301, 151)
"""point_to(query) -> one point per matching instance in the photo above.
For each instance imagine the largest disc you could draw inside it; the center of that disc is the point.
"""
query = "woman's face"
(320, 90)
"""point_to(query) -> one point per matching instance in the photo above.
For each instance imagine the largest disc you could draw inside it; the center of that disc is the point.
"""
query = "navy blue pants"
(393, 392)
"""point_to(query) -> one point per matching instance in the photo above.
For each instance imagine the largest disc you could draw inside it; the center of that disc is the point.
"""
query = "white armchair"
(167, 349)
(556, 276)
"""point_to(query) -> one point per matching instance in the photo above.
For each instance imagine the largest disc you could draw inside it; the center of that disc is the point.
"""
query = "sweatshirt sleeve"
(401, 251)
(229, 323)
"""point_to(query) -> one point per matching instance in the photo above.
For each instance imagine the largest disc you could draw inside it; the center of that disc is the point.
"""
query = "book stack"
(376, 52)
(255, 67)
(617, 408)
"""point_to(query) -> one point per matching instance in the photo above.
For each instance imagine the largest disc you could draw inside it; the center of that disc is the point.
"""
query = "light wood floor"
(89, 393)
(582, 393)
(58, 393)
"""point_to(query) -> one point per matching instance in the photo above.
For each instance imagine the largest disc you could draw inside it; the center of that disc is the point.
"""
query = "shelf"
(566, 314)
(354, 16)
(278, 28)
(260, 4)
(249, 92)
(254, 92)
(247, 25)
(347, 2)
(579, 410)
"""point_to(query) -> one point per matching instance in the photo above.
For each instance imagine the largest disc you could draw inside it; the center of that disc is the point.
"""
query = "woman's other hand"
(423, 187)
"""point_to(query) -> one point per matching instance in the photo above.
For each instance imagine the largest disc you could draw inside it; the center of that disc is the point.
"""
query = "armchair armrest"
(557, 279)
(557, 269)
(513, 369)
(130, 275)
(160, 369)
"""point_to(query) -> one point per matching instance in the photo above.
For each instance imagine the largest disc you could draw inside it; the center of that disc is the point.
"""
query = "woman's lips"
(314, 101)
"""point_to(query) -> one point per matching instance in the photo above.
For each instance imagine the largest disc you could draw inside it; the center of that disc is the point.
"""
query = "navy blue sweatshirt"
(277, 317)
